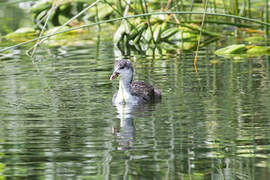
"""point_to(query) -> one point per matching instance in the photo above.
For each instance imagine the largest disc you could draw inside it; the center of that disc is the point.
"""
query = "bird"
(132, 92)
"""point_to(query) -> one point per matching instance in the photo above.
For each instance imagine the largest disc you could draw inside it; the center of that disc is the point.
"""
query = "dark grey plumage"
(145, 91)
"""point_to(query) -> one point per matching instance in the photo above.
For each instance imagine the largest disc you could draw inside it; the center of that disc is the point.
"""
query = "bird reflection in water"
(126, 133)
(127, 113)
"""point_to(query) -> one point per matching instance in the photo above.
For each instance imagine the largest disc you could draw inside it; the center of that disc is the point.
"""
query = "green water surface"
(57, 120)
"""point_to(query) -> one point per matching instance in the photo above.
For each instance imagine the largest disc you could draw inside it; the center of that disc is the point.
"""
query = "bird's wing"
(141, 89)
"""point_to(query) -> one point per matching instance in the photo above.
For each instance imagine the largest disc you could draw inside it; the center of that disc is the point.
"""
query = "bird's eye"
(121, 67)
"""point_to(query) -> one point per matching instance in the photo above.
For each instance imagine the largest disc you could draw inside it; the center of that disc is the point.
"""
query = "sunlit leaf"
(232, 49)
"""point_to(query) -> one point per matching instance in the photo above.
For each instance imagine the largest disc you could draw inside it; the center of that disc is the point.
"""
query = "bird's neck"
(124, 86)
(124, 93)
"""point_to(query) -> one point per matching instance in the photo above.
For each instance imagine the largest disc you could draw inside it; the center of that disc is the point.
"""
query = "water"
(57, 120)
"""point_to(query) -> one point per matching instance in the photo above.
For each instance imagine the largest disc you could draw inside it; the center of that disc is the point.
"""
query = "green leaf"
(255, 39)
(22, 34)
(259, 50)
(40, 6)
(169, 32)
(157, 33)
(232, 49)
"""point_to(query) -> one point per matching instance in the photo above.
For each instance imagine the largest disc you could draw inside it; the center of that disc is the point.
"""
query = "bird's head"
(124, 69)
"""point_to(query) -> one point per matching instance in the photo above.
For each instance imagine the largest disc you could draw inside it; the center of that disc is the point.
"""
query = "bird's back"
(145, 91)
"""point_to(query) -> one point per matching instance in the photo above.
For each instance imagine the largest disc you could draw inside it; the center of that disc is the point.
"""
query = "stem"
(266, 18)
(148, 20)
(198, 45)
(235, 7)
(249, 9)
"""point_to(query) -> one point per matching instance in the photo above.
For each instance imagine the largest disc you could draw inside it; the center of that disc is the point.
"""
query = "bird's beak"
(114, 75)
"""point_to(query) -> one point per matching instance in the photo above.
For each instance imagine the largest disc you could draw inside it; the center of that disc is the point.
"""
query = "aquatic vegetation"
(158, 37)
(22, 34)
(62, 11)
(243, 50)
(150, 27)
(232, 49)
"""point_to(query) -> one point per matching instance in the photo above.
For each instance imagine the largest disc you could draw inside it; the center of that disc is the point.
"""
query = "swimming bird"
(132, 92)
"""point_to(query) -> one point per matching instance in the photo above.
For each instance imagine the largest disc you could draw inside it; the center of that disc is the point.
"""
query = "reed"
(199, 40)
(266, 19)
